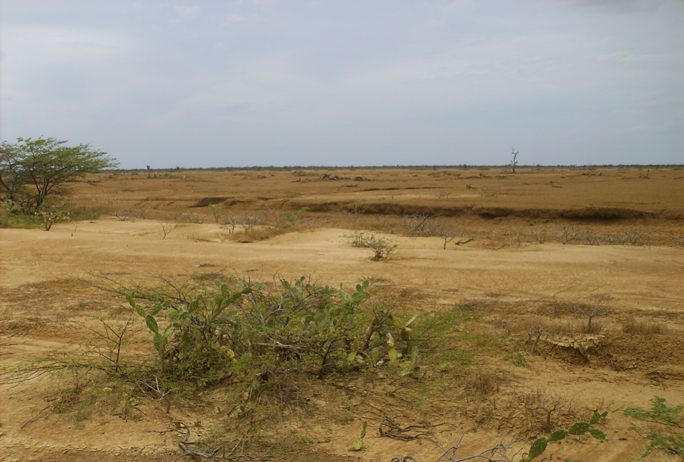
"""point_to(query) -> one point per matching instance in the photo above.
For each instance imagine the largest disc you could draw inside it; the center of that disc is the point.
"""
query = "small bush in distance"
(50, 216)
(357, 239)
(293, 219)
(382, 248)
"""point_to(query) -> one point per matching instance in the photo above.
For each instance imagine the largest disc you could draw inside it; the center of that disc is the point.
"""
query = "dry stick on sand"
(166, 229)
(391, 429)
(162, 394)
(36, 416)
(497, 453)
(208, 456)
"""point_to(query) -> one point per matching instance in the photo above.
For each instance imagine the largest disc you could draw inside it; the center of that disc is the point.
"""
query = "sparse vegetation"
(291, 219)
(540, 232)
(51, 216)
(644, 328)
(666, 423)
(129, 214)
(505, 452)
(381, 247)
(287, 373)
(216, 212)
(355, 211)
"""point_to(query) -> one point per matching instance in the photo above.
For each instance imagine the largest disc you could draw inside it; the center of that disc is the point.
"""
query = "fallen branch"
(391, 429)
(213, 454)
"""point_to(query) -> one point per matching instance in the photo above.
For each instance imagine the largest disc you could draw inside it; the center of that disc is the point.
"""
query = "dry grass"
(517, 326)
(634, 326)
(484, 381)
(261, 233)
(569, 328)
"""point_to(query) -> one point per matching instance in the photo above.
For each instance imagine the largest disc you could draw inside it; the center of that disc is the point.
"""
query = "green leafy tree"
(33, 169)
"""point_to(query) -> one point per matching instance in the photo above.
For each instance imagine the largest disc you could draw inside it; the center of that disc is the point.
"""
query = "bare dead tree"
(514, 160)
(161, 393)
(418, 224)
(114, 337)
(548, 409)
(249, 221)
(124, 215)
(538, 332)
(355, 211)
(598, 310)
(230, 222)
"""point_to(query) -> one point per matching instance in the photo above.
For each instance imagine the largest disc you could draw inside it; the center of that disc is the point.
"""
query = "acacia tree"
(31, 170)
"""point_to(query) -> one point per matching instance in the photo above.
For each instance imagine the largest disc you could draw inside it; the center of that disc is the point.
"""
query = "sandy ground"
(44, 306)
(640, 280)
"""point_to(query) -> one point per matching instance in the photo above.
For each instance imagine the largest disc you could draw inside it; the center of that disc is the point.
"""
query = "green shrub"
(293, 219)
(299, 327)
(663, 437)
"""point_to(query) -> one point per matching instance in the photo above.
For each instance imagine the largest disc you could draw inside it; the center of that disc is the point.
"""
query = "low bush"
(302, 328)
(381, 247)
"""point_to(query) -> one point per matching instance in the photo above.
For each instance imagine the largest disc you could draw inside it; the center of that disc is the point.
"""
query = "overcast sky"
(342, 82)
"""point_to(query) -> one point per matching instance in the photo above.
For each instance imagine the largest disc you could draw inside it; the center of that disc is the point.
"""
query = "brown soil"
(504, 276)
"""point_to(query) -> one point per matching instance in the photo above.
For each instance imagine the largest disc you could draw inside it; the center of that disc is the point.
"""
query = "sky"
(348, 82)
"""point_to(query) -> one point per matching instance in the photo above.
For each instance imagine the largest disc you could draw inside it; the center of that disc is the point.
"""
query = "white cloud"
(233, 19)
(460, 4)
(187, 13)
(618, 6)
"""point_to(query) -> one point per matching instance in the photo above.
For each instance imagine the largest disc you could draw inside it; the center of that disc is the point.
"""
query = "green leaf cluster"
(580, 428)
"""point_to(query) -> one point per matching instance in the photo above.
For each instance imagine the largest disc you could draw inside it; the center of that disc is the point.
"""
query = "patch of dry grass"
(634, 326)
(484, 381)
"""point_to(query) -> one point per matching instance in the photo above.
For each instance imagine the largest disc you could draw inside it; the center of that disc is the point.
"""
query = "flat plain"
(499, 257)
